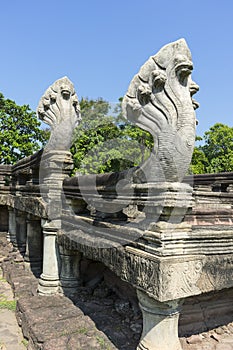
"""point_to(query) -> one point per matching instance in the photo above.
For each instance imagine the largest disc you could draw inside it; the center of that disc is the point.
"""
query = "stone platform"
(48, 322)
(57, 323)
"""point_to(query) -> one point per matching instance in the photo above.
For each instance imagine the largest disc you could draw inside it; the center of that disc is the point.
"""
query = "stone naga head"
(59, 107)
(159, 100)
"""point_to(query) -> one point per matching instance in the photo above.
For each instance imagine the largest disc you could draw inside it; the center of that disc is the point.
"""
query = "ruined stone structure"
(147, 225)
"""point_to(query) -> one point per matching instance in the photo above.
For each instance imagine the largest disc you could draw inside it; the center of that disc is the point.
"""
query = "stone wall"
(169, 240)
(212, 192)
(213, 195)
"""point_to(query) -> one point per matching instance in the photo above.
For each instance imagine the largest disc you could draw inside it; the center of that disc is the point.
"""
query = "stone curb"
(55, 323)
(48, 322)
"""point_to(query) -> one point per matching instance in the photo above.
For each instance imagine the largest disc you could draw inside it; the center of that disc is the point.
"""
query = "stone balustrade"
(208, 272)
(167, 235)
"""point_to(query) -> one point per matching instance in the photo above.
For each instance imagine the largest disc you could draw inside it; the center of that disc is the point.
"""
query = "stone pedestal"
(34, 244)
(58, 107)
(11, 235)
(160, 324)
(49, 279)
(21, 231)
(55, 166)
(70, 270)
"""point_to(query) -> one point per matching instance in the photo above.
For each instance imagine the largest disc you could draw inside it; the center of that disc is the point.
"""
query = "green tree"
(216, 154)
(20, 135)
(143, 139)
(103, 143)
(218, 148)
(199, 162)
(94, 130)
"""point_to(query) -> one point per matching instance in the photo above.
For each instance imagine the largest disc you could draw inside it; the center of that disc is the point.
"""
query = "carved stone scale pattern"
(159, 100)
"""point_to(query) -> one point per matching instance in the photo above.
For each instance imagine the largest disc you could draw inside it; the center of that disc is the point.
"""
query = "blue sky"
(100, 46)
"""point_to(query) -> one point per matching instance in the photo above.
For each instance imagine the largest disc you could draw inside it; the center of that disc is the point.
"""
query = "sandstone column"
(70, 270)
(59, 108)
(49, 279)
(11, 236)
(21, 231)
(34, 244)
(160, 324)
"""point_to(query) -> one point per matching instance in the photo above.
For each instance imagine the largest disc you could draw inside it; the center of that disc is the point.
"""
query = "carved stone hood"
(159, 100)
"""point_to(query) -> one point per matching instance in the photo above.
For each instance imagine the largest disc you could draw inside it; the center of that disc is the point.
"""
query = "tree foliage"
(20, 135)
(216, 155)
(104, 143)
(218, 148)
(199, 161)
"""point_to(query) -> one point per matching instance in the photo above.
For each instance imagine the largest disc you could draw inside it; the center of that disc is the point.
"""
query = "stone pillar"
(160, 324)
(21, 231)
(11, 234)
(34, 244)
(49, 279)
(70, 270)
(59, 108)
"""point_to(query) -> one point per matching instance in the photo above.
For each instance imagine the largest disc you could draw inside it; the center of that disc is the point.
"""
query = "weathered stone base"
(206, 311)
(160, 324)
(48, 322)
(48, 286)
(35, 316)
(67, 324)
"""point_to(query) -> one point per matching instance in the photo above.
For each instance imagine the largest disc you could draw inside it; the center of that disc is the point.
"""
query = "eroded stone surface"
(11, 337)
(113, 315)
(162, 256)
(159, 99)
(59, 107)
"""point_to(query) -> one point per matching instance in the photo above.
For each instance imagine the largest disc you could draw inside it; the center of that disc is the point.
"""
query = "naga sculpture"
(159, 100)
(149, 250)
(59, 108)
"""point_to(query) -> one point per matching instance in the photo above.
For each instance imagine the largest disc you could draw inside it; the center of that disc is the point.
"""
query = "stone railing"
(22, 208)
(213, 199)
(146, 224)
